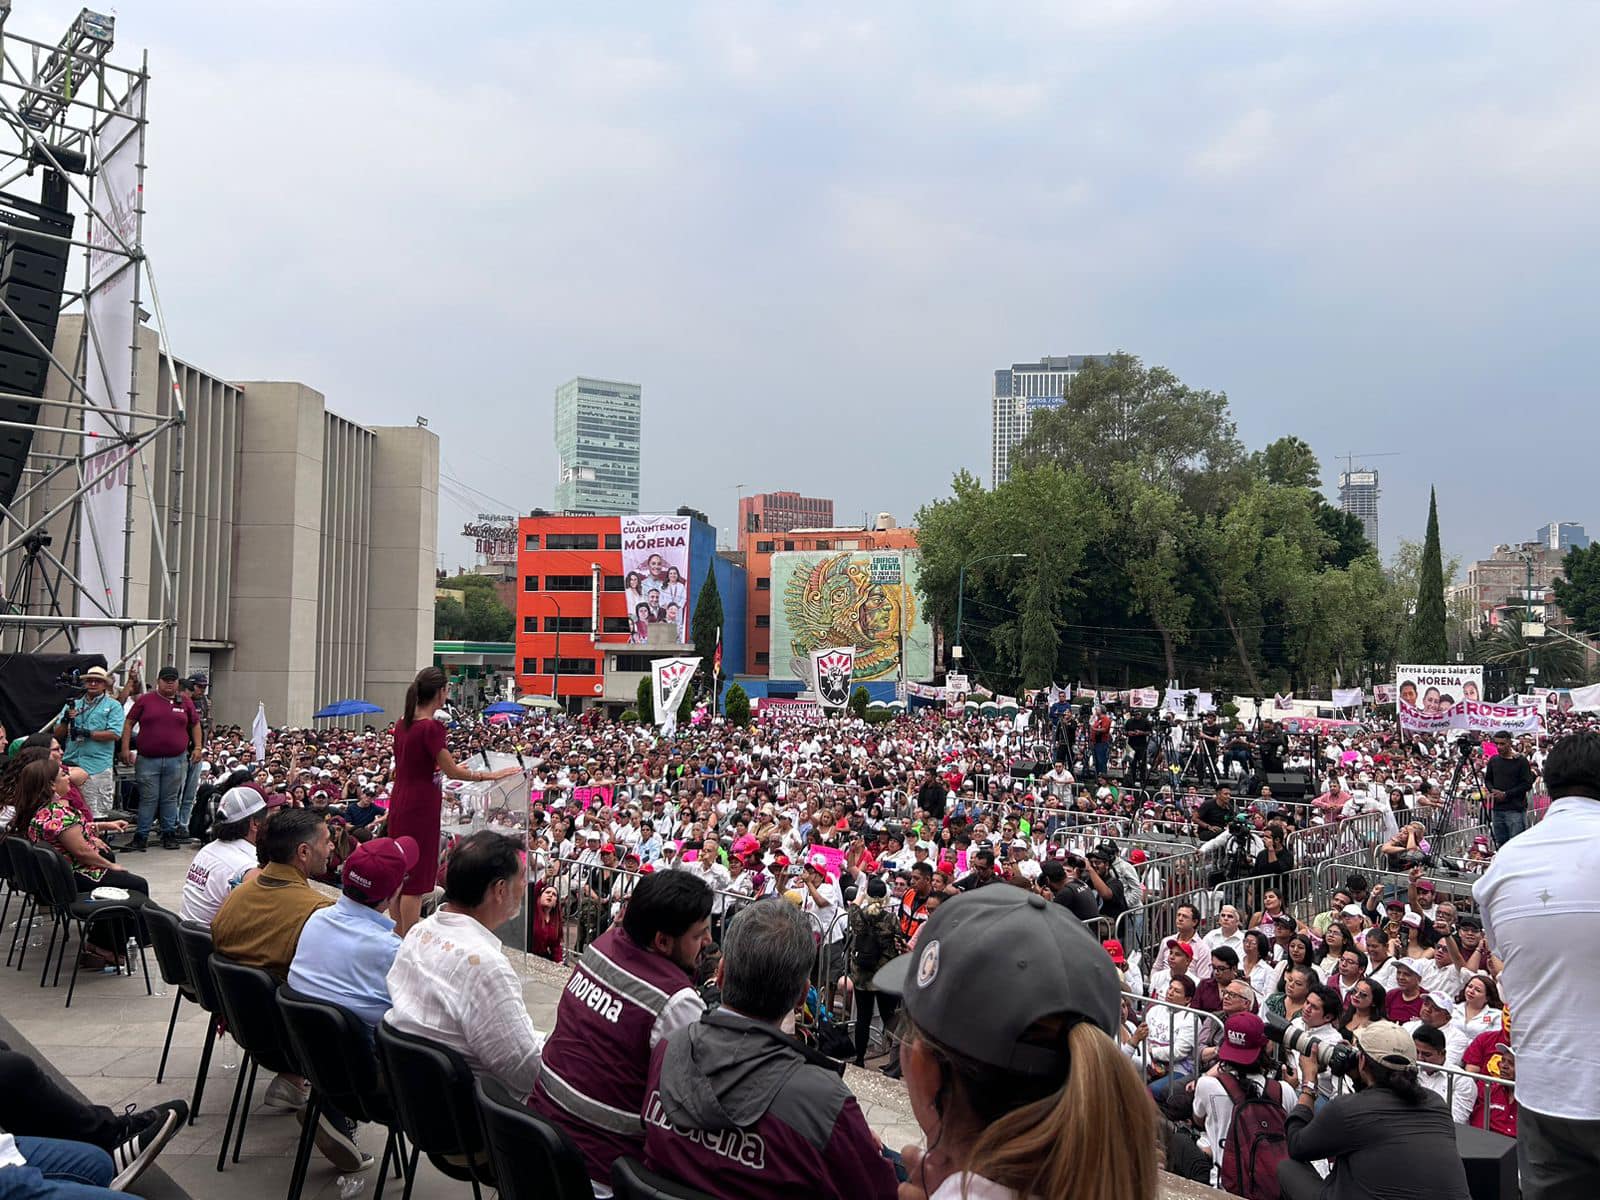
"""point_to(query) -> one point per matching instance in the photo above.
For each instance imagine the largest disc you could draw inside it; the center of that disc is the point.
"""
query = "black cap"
(1014, 957)
(167, 672)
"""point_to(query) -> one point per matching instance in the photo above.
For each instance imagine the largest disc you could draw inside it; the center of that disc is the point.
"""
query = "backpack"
(1255, 1142)
(868, 945)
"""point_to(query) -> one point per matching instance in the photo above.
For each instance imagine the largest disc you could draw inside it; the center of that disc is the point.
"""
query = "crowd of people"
(717, 893)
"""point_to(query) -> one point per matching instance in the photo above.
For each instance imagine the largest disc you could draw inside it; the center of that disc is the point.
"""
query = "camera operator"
(1238, 750)
(1238, 847)
(1272, 744)
(1509, 777)
(1216, 812)
(1137, 729)
(89, 729)
(1391, 1138)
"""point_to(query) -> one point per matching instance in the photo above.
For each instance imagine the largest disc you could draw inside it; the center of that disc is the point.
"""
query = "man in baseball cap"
(345, 951)
(1389, 1130)
(221, 863)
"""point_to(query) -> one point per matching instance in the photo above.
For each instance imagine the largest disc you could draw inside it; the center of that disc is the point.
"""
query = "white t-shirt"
(211, 877)
(1215, 1108)
(1540, 900)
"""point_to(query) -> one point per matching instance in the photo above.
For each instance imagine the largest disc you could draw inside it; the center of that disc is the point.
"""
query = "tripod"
(20, 594)
(1198, 757)
(1468, 769)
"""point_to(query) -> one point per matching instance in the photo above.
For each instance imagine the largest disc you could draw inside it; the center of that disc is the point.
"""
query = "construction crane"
(1350, 459)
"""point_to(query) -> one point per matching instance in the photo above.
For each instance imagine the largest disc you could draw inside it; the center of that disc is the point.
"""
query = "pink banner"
(586, 796)
(829, 858)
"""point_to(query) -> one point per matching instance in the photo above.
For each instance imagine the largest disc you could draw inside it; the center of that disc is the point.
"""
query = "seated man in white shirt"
(212, 874)
(1438, 1012)
(451, 981)
(1457, 1093)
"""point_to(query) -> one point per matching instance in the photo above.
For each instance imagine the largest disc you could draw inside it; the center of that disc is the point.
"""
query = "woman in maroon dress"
(421, 763)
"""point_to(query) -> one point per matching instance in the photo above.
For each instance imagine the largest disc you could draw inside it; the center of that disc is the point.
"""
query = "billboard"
(1427, 694)
(655, 575)
(861, 598)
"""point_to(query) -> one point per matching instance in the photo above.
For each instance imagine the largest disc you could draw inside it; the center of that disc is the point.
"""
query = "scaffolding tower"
(91, 444)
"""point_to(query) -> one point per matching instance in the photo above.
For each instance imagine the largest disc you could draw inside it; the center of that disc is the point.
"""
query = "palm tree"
(1560, 662)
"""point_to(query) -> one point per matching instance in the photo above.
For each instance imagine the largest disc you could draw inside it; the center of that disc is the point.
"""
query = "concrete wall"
(346, 540)
(403, 546)
(278, 552)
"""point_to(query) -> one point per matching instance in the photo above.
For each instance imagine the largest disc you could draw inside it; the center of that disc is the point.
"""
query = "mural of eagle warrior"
(836, 603)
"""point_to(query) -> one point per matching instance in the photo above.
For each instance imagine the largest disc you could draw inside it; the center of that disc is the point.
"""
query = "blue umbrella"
(506, 706)
(346, 708)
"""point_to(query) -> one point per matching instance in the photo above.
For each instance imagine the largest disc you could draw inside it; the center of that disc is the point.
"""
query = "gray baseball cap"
(991, 963)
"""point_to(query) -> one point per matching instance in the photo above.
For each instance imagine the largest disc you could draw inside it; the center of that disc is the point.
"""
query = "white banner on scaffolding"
(108, 371)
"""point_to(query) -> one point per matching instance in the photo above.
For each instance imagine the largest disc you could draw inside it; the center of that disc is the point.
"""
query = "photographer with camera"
(1391, 1138)
(1137, 729)
(1509, 777)
(1238, 847)
(89, 728)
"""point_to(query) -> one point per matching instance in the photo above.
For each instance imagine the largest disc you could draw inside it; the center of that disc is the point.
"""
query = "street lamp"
(961, 589)
(555, 679)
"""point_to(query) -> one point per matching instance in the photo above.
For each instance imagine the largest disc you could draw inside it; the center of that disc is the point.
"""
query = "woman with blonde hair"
(1011, 1061)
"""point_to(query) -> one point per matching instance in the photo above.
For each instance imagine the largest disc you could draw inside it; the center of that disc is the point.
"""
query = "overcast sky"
(812, 231)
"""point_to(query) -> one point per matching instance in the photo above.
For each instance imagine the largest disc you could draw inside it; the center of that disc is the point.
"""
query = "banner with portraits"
(833, 669)
(655, 576)
(1425, 695)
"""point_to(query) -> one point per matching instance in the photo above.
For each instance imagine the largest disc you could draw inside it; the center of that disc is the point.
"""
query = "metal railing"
(1138, 1008)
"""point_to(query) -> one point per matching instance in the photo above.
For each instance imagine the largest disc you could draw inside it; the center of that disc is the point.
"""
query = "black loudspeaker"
(1491, 1163)
(1291, 785)
(33, 273)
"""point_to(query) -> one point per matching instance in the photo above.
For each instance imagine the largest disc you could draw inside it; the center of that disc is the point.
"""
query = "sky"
(813, 231)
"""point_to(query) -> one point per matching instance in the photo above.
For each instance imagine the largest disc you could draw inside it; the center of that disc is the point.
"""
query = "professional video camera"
(71, 682)
(1338, 1057)
(1467, 745)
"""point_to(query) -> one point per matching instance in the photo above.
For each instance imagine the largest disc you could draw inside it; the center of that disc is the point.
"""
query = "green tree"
(645, 701)
(1288, 462)
(1560, 663)
(1426, 642)
(1347, 536)
(1579, 593)
(1123, 413)
(449, 619)
(736, 705)
(1405, 569)
(686, 707)
(858, 702)
(487, 620)
(706, 622)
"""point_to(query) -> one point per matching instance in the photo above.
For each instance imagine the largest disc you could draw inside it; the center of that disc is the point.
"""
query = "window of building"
(788, 545)
(566, 624)
(822, 544)
(616, 625)
(613, 583)
(531, 542)
(530, 666)
(761, 658)
(572, 541)
(530, 583)
(763, 584)
(613, 541)
(530, 624)
(570, 666)
(763, 621)
(763, 547)
(631, 662)
(565, 583)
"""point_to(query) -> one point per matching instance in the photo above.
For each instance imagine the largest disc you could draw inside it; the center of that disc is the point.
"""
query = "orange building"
(758, 547)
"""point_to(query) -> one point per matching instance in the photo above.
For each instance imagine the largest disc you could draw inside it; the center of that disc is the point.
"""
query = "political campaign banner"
(1582, 699)
(1173, 702)
(1383, 693)
(1476, 716)
(807, 710)
(655, 575)
(1348, 697)
(1144, 698)
(956, 685)
(832, 669)
(108, 372)
(1426, 694)
(669, 679)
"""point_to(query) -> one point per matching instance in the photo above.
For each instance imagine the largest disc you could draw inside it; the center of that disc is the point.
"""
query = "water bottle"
(350, 1186)
(230, 1053)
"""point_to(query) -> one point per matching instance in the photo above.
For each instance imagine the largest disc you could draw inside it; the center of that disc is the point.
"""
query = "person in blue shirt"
(88, 732)
(345, 951)
(649, 843)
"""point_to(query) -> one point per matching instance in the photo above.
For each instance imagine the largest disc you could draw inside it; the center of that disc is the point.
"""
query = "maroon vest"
(595, 1064)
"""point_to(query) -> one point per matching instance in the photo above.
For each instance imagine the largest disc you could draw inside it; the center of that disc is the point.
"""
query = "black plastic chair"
(431, 1087)
(335, 1048)
(25, 881)
(11, 888)
(249, 999)
(195, 942)
(69, 909)
(631, 1181)
(533, 1159)
(161, 927)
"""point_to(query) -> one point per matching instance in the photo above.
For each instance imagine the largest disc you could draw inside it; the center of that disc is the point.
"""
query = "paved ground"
(109, 1043)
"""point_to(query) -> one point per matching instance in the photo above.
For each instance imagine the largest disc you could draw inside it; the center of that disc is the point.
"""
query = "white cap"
(239, 803)
(1442, 1001)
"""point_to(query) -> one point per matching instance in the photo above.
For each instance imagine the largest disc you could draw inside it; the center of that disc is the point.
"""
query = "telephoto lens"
(1337, 1057)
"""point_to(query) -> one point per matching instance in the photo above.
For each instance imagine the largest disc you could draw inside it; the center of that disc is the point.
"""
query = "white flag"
(833, 669)
(258, 734)
(669, 680)
(1348, 698)
(1586, 699)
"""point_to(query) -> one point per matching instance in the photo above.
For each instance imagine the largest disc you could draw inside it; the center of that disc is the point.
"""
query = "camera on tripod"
(1466, 745)
(1337, 1057)
(71, 682)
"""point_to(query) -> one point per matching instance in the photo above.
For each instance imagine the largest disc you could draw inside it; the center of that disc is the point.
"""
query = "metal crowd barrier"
(1318, 842)
(1139, 1007)
(1476, 1086)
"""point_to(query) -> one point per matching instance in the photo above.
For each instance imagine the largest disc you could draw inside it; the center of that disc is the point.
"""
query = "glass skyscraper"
(597, 447)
